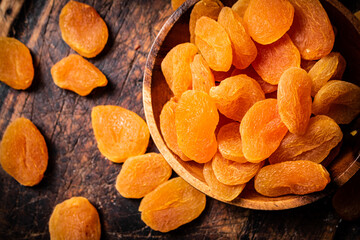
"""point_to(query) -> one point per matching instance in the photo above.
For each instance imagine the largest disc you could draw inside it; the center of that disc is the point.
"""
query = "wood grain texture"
(76, 167)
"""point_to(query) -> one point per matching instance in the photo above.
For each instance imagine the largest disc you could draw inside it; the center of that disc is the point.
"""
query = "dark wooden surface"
(76, 167)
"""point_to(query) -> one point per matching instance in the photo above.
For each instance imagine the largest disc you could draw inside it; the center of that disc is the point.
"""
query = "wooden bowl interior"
(156, 93)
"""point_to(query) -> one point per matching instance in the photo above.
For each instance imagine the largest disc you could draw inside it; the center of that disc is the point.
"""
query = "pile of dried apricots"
(244, 62)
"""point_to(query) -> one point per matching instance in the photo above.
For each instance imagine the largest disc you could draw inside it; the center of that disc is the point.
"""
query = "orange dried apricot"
(214, 44)
(235, 95)
(294, 99)
(267, 21)
(196, 117)
(311, 30)
(261, 130)
(208, 8)
(24, 154)
(120, 133)
(220, 190)
(75, 218)
(77, 74)
(141, 174)
(202, 76)
(83, 29)
(331, 66)
(175, 4)
(339, 100)
(244, 49)
(234, 173)
(292, 177)
(172, 204)
(220, 76)
(176, 67)
(322, 135)
(168, 129)
(273, 59)
(229, 142)
(240, 7)
(16, 66)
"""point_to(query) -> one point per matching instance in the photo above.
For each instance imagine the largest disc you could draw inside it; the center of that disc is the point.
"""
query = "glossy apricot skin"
(311, 31)
(75, 218)
(76, 74)
(16, 66)
(172, 204)
(202, 76)
(141, 174)
(291, 177)
(119, 133)
(83, 29)
(24, 154)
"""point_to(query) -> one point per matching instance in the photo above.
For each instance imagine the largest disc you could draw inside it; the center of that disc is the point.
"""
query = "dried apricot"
(172, 204)
(311, 30)
(267, 21)
(16, 66)
(322, 135)
(24, 154)
(235, 95)
(240, 7)
(244, 49)
(214, 44)
(273, 59)
(75, 218)
(307, 64)
(229, 142)
(196, 117)
(141, 174)
(77, 74)
(234, 173)
(261, 130)
(331, 66)
(294, 99)
(208, 8)
(120, 133)
(292, 177)
(168, 129)
(339, 100)
(202, 76)
(220, 76)
(220, 190)
(176, 67)
(83, 29)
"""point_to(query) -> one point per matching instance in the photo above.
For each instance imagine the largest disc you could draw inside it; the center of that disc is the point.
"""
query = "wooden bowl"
(345, 157)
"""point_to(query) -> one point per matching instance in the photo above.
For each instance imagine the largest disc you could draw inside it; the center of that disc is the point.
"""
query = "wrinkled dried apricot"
(339, 100)
(24, 154)
(208, 8)
(75, 218)
(294, 99)
(311, 30)
(172, 204)
(235, 95)
(77, 74)
(202, 76)
(292, 177)
(244, 49)
(273, 59)
(267, 21)
(214, 44)
(16, 66)
(176, 67)
(240, 7)
(175, 4)
(331, 66)
(196, 117)
(120, 133)
(168, 129)
(141, 174)
(322, 135)
(83, 29)
(261, 130)
(234, 173)
(220, 190)
(229, 142)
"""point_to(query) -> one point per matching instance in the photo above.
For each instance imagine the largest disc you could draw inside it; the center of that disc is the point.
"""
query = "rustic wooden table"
(76, 167)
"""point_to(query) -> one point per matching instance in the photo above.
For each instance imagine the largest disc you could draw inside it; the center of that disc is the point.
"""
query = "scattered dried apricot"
(202, 76)
(229, 142)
